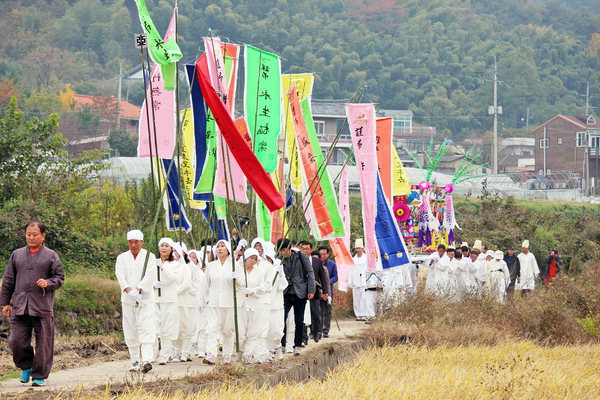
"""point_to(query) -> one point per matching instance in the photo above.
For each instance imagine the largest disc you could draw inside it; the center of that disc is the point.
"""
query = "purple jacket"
(19, 282)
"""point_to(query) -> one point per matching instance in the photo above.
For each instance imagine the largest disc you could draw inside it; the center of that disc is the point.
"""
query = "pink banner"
(343, 260)
(228, 170)
(162, 112)
(361, 119)
(344, 206)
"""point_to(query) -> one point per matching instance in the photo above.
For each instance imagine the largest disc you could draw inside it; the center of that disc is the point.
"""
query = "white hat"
(464, 244)
(359, 243)
(477, 244)
(269, 247)
(227, 244)
(489, 253)
(269, 253)
(498, 254)
(166, 240)
(258, 240)
(525, 244)
(177, 247)
(135, 234)
(184, 247)
(251, 252)
(198, 254)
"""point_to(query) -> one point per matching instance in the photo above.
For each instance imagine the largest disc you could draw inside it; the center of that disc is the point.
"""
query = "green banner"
(326, 184)
(205, 183)
(220, 207)
(262, 104)
(165, 54)
(263, 220)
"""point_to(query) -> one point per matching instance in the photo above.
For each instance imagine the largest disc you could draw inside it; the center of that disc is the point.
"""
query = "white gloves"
(235, 275)
(135, 295)
(247, 291)
(157, 285)
(277, 262)
(329, 299)
(278, 266)
(242, 244)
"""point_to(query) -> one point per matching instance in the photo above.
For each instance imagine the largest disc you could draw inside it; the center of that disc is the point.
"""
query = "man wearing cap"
(135, 273)
(514, 268)
(358, 280)
(32, 275)
(529, 269)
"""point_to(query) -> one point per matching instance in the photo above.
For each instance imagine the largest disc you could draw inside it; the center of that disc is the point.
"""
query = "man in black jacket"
(301, 286)
(514, 269)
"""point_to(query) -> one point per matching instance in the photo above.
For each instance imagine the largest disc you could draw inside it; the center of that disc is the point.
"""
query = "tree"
(124, 143)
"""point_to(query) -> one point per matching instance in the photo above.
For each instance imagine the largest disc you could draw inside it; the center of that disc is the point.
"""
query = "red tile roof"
(128, 110)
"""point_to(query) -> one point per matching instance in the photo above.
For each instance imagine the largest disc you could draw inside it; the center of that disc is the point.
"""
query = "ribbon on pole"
(259, 179)
(344, 205)
(389, 238)
(262, 103)
(228, 171)
(361, 119)
(384, 140)
(163, 112)
(175, 217)
(343, 260)
(278, 222)
(187, 158)
(319, 211)
(165, 52)
(198, 148)
(304, 85)
(324, 178)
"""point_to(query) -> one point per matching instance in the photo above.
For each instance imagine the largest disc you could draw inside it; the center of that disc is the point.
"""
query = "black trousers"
(316, 322)
(19, 341)
(326, 310)
(289, 301)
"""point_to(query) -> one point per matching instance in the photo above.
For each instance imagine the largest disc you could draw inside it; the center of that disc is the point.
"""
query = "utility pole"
(495, 110)
(587, 110)
(119, 98)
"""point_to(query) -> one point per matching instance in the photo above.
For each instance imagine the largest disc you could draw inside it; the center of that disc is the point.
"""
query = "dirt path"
(115, 372)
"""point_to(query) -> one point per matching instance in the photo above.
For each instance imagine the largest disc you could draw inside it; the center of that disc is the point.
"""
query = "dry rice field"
(519, 370)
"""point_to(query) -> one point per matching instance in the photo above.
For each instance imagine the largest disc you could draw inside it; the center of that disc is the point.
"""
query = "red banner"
(257, 176)
(384, 136)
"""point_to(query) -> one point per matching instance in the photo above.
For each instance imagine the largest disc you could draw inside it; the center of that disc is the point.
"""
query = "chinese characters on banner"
(304, 85)
(262, 103)
(361, 119)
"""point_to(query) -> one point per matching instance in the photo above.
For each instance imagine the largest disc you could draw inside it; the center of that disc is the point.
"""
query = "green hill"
(427, 55)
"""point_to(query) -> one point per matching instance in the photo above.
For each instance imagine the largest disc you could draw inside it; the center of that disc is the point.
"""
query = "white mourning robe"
(358, 284)
(138, 316)
(167, 308)
(529, 270)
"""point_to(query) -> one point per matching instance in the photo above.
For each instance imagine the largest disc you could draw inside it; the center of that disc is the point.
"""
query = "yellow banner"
(304, 85)
(400, 185)
(187, 152)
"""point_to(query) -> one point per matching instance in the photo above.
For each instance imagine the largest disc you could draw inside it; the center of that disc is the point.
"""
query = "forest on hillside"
(430, 56)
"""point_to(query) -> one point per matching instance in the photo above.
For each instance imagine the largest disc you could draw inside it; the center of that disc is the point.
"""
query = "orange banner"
(277, 217)
(384, 135)
(318, 206)
(343, 260)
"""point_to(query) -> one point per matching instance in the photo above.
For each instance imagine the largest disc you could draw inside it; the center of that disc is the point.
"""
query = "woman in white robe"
(218, 284)
(278, 282)
(187, 300)
(253, 307)
(165, 299)
(200, 338)
(499, 277)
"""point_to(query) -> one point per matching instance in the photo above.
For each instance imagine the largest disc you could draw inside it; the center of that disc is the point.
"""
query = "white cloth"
(529, 270)
(253, 333)
(256, 280)
(460, 277)
(217, 287)
(444, 269)
(471, 285)
(128, 271)
(359, 302)
(167, 323)
(188, 282)
(358, 272)
(139, 330)
(499, 280)
(371, 303)
(276, 326)
(169, 272)
(188, 319)
(220, 327)
(275, 297)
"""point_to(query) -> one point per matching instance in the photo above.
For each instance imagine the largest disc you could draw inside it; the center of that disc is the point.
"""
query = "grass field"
(519, 370)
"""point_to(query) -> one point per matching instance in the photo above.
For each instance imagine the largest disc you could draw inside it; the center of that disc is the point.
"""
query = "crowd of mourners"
(186, 303)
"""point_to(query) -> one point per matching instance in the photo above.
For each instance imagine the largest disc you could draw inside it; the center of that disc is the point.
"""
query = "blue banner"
(199, 113)
(175, 216)
(389, 238)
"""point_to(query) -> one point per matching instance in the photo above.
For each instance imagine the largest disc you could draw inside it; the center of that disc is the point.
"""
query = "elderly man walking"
(32, 275)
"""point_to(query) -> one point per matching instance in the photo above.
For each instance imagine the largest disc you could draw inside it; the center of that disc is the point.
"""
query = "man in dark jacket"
(32, 275)
(514, 269)
(321, 296)
(333, 278)
(301, 286)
